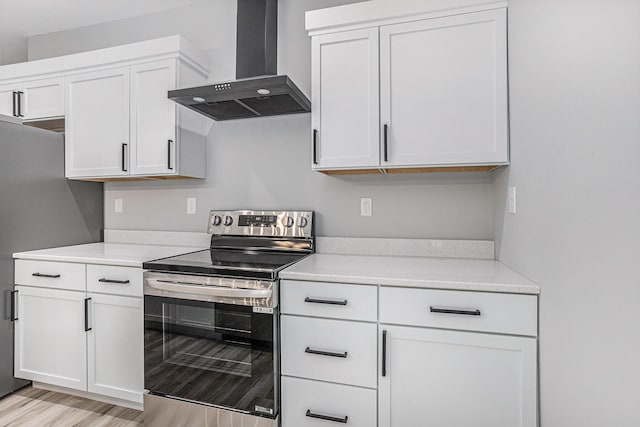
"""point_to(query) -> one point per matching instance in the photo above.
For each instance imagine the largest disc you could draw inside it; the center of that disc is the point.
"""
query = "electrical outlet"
(512, 200)
(191, 205)
(365, 206)
(117, 206)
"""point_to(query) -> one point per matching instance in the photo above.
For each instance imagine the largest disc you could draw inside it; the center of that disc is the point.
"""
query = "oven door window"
(218, 354)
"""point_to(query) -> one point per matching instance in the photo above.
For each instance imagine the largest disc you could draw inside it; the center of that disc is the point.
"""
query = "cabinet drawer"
(329, 350)
(109, 279)
(334, 300)
(472, 311)
(48, 274)
(302, 399)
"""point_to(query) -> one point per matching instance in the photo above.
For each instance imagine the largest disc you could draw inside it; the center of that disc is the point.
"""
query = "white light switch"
(191, 205)
(365, 206)
(512, 200)
(117, 206)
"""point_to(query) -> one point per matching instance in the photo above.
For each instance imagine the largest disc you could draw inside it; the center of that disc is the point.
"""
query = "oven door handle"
(208, 290)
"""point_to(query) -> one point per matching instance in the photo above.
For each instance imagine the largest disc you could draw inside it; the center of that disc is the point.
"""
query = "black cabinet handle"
(20, 103)
(454, 311)
(124, 149)
(325, 353)
(327, 417)
(315, 146)
(15, 104)
(14, 305)
(384, 353)
(325, 301)
(50, 276)
(386, 142)
(86, 314)
(119, 282)
(170, 141)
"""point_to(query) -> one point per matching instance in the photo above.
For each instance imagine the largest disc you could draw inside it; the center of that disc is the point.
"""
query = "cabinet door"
(456, 379)
(345, 95)
(443, 85)
(115, 347)
(42, 98)
(7, 100)
(153, 119)
(97, 124)
(50, 340)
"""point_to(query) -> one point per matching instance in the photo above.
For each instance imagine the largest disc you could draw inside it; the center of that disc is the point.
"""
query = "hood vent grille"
(256, 58)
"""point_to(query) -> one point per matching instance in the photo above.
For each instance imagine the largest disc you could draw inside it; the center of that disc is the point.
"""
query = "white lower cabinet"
(88, 341)
(416, 357)
(309, 403)
(337, 351)
(447, 378)
(115, 347)
(50, 340)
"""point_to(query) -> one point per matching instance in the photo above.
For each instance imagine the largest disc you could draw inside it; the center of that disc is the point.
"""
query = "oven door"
(213, 353)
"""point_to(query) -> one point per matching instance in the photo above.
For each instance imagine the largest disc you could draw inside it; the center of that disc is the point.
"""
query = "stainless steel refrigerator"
(39, 209)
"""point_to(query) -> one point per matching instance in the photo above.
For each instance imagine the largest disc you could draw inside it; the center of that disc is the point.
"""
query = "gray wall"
(265, 163)
(575, 152)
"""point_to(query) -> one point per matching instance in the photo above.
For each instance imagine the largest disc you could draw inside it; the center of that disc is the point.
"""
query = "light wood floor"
(31, 407)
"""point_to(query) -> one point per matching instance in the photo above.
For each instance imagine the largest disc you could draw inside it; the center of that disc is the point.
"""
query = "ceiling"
(26, 18)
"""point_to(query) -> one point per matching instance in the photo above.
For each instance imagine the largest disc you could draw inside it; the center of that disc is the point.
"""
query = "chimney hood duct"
(257, 90)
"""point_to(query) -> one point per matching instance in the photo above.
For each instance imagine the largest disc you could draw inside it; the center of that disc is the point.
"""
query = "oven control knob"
(228, 220)
(216, 220)
(302, 222)
(288, 221)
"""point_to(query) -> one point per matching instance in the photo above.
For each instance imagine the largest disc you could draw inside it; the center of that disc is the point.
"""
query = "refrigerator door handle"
(14, 306)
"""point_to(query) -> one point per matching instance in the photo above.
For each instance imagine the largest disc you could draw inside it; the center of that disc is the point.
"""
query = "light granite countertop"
(122, 254)
(416, 272)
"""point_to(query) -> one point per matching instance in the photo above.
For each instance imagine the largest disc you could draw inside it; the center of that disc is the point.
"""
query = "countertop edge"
(424, 284)
(78, 260)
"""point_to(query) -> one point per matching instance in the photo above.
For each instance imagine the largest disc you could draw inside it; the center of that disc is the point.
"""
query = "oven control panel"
(261, 223)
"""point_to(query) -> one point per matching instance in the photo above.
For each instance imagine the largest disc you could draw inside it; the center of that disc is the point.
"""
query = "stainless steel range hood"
(258, 91)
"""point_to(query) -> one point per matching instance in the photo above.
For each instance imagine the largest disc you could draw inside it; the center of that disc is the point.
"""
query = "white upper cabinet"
(153, 118)
(33, 100)
(345, 112)
(8, 100)
(97, 124)
(444, 90)
(118, 120)
(402, 88)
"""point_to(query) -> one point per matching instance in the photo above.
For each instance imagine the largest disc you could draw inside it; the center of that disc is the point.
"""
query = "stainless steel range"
(211, 322)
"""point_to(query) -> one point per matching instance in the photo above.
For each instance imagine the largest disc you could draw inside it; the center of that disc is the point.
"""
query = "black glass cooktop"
(232, 263)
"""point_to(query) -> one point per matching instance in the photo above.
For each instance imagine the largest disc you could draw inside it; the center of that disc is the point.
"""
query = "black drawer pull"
(87, 301)
(20, 104)
(14, 306)
(325, 353)
(315, 146)
(386, 143)
(50, 276)
(15, 104)
(125, 147)
(454, 311)
(119, 282)
(325, 301)
(327, 417)
(384, 353)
